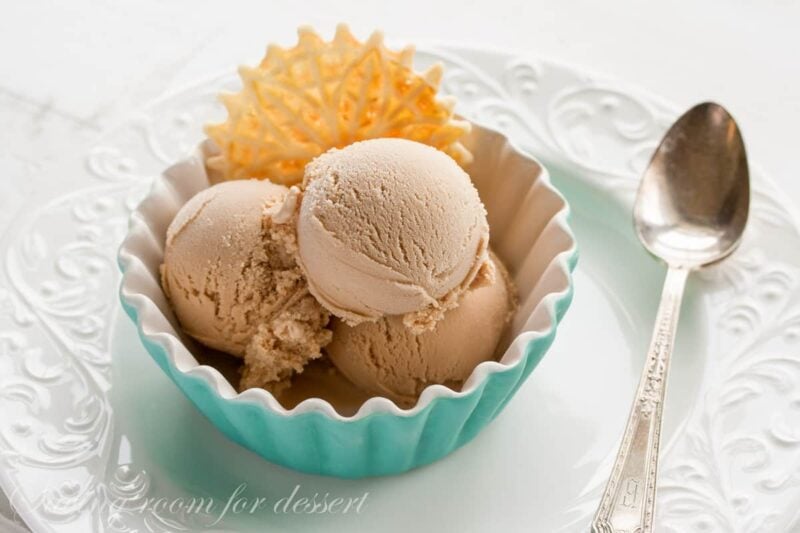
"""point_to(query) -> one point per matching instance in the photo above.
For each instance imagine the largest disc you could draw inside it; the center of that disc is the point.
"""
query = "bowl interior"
(527, 224)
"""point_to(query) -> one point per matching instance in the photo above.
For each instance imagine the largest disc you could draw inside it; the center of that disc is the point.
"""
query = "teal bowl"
(530, 233)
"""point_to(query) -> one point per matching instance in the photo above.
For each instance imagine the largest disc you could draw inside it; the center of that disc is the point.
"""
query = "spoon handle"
(628, 501)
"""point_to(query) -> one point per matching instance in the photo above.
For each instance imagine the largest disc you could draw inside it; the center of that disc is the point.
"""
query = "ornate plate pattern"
(733, 466)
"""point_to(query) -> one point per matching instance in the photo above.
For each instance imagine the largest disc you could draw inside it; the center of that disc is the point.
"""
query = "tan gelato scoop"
(234, 284)
(385, 358)
(391, 227)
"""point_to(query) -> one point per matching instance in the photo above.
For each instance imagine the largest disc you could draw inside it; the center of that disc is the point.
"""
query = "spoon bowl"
(693, 201)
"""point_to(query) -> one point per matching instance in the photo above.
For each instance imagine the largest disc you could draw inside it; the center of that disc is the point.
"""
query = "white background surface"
(70, 70)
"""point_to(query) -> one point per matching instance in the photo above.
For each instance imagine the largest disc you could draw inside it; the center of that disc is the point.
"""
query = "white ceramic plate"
(86, 418)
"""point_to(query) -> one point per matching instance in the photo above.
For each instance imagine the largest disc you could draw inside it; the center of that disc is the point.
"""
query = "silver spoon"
(690, 211)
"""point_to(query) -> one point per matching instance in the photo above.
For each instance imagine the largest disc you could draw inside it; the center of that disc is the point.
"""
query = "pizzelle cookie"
(302, 101)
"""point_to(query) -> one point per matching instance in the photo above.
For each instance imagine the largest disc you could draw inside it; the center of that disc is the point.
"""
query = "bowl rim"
(142, 309)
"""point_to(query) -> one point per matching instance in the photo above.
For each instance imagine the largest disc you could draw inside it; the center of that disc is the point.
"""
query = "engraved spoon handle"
(628, 502)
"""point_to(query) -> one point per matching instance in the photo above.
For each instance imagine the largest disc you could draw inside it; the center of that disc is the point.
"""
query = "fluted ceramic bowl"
(529, 232)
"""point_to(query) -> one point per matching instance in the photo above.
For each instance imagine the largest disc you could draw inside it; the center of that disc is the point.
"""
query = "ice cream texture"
(386, 359)
(231, 277)
(391, 227)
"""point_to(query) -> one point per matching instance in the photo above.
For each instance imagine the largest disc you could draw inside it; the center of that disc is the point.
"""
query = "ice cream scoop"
(232, 279)
(386, 359)
(390, 227)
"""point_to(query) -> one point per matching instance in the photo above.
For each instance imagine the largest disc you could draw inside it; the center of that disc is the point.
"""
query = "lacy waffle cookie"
(302, 101)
